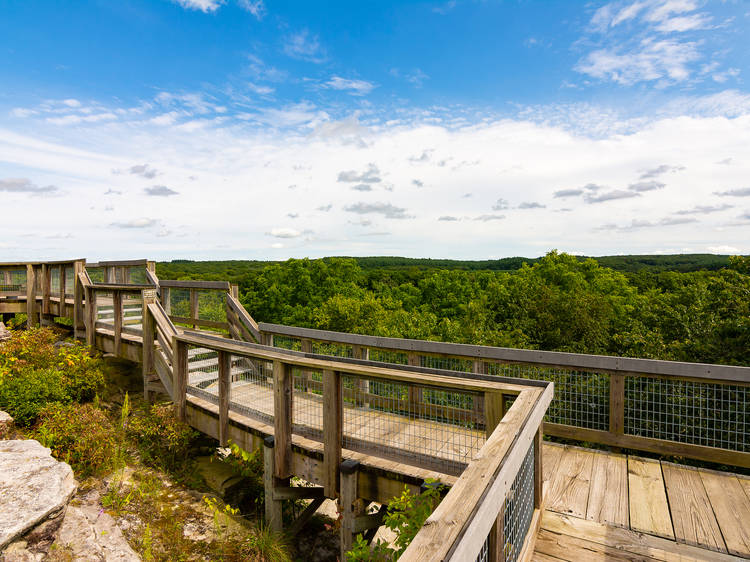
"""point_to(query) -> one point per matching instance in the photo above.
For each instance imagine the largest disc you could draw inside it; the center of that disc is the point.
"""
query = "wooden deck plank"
(646, 545)
(569, 489)
(574, 549)
(608, 495)
(732, 509)
(649, 510)
(551, 454)
(693, 518)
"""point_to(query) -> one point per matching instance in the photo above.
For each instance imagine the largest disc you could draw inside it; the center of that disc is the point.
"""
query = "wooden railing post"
(165, 300)
(306, 345)
(149, 332)
(117, 308)
(617, 403)
(360, 352)
(349, 505)
(225, 374)
(45, 290)
(273, 507)
(61, 307)
(282, 418)
(30, 296)
(493, 411)
(79, 326)
(414, 392)
(180, 367)
(194, 307)
(332, 431)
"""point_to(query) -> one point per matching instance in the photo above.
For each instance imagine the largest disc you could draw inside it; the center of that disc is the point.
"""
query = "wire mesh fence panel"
(581, 397)
(519, 509)
(132, 312)
(105, 307)
(285, 342)
(698, 413)
(447, 363)
(212, 305)
(307, 413)
(415, 424)
(97, 274)
(252, 388)
(136, 275)
(203, 368)
(179, 302)
(54, 280)
(387, 356)
(334, 349)
(69, 281)
(484, 553)
(13, 280)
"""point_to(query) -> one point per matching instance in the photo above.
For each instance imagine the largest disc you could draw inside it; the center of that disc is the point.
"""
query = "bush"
(162, 440)
(80, 435)
(26, 394)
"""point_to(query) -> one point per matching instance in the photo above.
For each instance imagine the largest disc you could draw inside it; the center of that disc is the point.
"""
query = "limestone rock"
(4, 333)
(33, 487)
(6, 424)
(90, 534)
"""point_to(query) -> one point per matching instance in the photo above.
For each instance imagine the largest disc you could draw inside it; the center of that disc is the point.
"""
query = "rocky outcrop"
(34, 491)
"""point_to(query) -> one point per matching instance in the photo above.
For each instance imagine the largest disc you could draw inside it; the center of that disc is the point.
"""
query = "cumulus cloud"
(136, 223)
(642, 186)
(284, 233)
(353, 86)
(304, 45)
(370, 175)
(25, 185)
(144, 170)
(659, 170)
(610, 196)
(204, 6)
(531, 205)
(388, 210)
(255, 7)
(500, 205)
(704, 209)
(159, 191)
(486, 218)
(567, 193)
(741, 192)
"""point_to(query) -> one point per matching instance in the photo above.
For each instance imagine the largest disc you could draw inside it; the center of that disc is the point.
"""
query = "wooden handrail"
(246, 321)
(188, 284)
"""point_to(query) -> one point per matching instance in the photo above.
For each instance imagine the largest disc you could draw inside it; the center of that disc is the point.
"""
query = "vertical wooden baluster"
(117, 308)
(282, 418)
(180, 369)
(225, 373)
(30, 296)
(332, 431)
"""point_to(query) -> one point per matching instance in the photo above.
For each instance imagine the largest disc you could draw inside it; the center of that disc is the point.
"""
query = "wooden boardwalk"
(605, 506)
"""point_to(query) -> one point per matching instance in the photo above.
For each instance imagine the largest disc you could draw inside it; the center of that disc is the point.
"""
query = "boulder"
(34, 491)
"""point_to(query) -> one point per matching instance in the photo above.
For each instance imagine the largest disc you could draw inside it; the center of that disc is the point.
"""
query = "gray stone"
(6, 423)
(90, 534)
(33, 487)
(4, 332)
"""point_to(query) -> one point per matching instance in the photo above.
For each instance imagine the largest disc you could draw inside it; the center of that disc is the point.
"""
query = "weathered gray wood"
(207, 285)
(332, 430)
(225, 374)
(617, 404)
(180, 366)
(282, 418)
(348, 505)
(30, 296)
(273, 507)
(575, 361)
(149, 331)
(117, 306)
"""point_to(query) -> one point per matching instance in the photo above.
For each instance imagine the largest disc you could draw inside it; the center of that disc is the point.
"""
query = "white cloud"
(355, 87)
(305, 46)
(204, 6)
(136, 223)
(285, 233)
(255, 7)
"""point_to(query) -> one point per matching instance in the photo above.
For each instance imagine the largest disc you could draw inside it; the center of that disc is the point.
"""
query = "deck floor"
(602, 506)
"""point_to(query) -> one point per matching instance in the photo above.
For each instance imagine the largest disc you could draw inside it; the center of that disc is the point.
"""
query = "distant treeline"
(683, 307)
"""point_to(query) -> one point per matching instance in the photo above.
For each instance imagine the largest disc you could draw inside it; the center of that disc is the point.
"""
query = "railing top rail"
(25, 263)
(352, 368)
(601, 363)
(162, 320)
(117, 287)
(121, 263)
(190, 284)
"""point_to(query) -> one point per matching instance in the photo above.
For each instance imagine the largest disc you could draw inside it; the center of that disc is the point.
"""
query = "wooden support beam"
(225, 373)
(273, 507)
(349, 506)
(332, 431)
(305, 516)
(149, 333)
(180, 366)
(30, 296)
(298, 493)
(282, 418)
(117, 311)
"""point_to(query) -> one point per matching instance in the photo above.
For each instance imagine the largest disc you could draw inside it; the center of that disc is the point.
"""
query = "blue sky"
(467, 129)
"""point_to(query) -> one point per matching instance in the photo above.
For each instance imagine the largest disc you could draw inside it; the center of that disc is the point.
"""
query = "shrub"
(162, 440)
(24, 395)
(80, 435)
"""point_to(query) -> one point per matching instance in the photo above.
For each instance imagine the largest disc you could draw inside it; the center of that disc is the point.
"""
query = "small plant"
(80, 435)
(405, 516)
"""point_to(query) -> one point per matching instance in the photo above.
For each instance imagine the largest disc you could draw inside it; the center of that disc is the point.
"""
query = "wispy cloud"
(204, 6)
(255, 7)
(285, 233)
(388, 210)
(659, 170)
(143, 170)
(486, 218)
(136, 223)
(567, 193)
(705, 209)
(637, 224)
(531, 205)
(642, 186)
(160, 191)
(306, 46)
(353, 86)
(740, 192)
(25, 185)
(501, 205)
(448, 218)
(370, 175)
(610, 196)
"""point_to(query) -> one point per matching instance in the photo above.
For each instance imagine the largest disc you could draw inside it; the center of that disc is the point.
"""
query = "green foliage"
(405, 516)
(162, 440)
(80, 435)
(25, 394)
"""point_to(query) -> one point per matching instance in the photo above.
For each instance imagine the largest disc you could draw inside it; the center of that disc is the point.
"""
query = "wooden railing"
(123, 272)
(688, 410)
(197, 304)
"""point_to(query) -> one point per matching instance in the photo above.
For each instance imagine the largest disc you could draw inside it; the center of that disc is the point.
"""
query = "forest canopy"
(687, 308)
